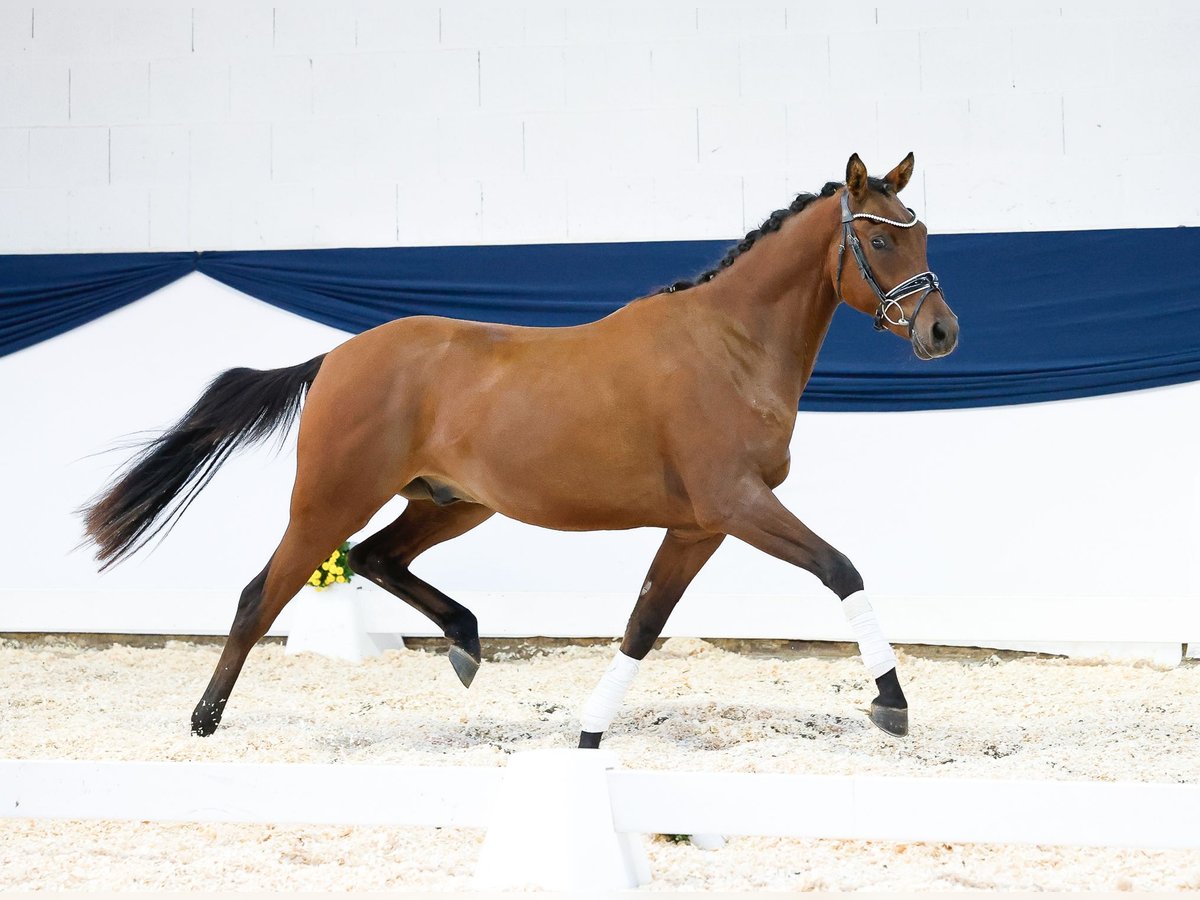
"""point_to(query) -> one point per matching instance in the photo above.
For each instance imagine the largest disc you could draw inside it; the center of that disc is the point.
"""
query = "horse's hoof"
(889, 719)
(590, 740)
(204, 723)
(465, 666)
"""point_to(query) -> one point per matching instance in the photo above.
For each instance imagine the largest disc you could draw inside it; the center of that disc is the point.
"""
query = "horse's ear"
(856, 177)
(900, 175)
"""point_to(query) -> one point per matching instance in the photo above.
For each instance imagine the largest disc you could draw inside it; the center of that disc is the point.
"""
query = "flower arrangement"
(335, 570)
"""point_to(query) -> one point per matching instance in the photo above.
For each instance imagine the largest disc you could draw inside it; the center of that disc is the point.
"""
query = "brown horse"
(676, 412)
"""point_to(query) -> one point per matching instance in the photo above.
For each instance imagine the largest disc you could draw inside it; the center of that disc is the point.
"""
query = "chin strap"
(924, 283)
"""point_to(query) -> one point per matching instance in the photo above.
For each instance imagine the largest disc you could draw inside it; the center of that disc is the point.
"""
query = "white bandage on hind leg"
(876, 652)
(601, 708)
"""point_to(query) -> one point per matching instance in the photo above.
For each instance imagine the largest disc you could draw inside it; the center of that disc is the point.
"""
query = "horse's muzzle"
(938, 339)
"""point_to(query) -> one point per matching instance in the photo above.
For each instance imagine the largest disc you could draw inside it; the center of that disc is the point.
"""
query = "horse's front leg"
(681, 556)
(754, 514)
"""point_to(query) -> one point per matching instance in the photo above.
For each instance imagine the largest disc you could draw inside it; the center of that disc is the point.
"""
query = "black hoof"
(590, 740)
(465, 666)
(890, 720)
(205, 721)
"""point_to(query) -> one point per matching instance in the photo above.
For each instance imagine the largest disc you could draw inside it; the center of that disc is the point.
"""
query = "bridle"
(924, 282)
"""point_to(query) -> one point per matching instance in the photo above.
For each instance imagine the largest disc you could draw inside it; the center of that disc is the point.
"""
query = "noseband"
(925, 282)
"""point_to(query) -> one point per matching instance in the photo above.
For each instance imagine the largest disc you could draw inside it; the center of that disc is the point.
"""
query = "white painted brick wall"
(130, 124)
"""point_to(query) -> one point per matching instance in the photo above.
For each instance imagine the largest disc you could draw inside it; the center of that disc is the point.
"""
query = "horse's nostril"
(938, 332)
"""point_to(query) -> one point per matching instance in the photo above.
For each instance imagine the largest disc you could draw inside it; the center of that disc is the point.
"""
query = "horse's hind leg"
(680, 557)
(385, 556)
(310, 536)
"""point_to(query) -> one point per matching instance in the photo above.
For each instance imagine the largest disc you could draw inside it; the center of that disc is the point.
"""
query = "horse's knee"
(840, 575)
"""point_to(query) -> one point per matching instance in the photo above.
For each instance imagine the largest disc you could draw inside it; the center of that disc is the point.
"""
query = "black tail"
(158, 484)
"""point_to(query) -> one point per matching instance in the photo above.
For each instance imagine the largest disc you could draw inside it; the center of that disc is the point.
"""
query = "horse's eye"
(878, 243)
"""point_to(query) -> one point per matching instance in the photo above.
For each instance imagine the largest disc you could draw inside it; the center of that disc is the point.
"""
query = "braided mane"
(773, 223)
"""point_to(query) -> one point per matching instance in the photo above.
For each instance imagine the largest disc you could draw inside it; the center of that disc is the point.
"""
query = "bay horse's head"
(881, 267)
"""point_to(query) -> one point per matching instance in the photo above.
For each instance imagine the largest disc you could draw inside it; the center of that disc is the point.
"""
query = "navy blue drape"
(1044, 316)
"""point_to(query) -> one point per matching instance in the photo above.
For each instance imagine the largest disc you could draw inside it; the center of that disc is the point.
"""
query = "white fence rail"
(649, 802)
(567, 819)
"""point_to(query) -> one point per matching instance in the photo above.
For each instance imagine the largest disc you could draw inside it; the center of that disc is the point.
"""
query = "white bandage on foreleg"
(601, 708)
(876, 652)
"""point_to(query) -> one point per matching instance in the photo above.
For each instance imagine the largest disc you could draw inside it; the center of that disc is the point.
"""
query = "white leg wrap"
(876, 652)
(602, 706)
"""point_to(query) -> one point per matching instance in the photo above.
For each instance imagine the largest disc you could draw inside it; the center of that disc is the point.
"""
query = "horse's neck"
(781, 294)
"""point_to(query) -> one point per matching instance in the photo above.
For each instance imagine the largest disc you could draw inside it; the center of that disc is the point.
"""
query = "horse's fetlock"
(840, 575)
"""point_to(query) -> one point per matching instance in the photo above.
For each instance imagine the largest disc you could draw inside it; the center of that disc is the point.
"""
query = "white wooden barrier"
(1093, 627)
(1128, 814)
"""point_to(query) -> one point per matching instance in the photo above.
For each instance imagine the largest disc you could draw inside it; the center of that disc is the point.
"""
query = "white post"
(551, 827)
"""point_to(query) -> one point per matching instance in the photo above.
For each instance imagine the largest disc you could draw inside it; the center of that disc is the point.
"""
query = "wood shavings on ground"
(694, 706)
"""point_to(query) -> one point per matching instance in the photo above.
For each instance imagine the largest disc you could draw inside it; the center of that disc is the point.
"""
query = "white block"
(606, 76)
(873, 64)
(551, 827)
(169, 218)
(1150, 195)
(437, 211)
(110, 93)
(329, 623)
(545, 23)
(610, 207)
(309, 27)
(665, 20)
(34, 94)
(356, 84)
(230, 152)
(233, 28)
(694, 72)
(34, 221)
(189, 90)
(149, 30)
(697, 207)
(732, 20)
(272, 216)
(627, 142)
(904, 126)
(922, 14)
(784, 68)
(524, 210)
(1112, 124)
(16, 29)
(479, 144)
(438, 80)
(209, 209)
(14, 157)
(1005, 11)
(763, 192)
(373, 149)
(1016, 125)
(736, 139)
(76, 30)
(1164, 52)
(961, 61)
(149, 154)
(807, 17)
(1056, 56)
(359, 214)
(109, 218)
(521, 78)
(382, 25)
(475, 24)
(270, 88)
(818, 153)
(68, 157)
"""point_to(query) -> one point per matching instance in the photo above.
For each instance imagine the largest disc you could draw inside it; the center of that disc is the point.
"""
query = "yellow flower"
(341, 579)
